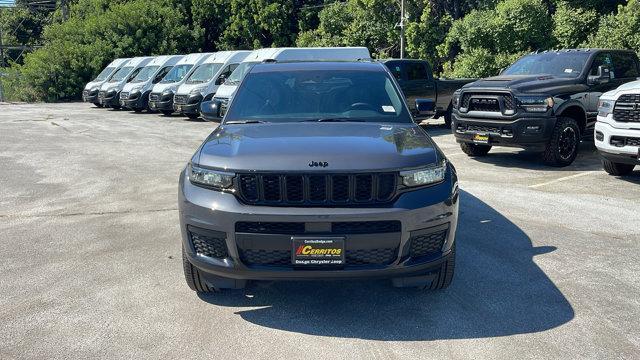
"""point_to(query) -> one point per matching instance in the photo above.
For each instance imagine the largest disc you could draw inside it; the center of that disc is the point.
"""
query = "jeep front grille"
(317, 189)
(627, 108)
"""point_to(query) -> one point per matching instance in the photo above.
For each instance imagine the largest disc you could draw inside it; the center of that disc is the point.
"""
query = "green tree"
(620, 30)
(572, 25)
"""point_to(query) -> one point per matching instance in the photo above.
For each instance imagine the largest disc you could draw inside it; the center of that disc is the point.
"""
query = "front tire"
(447, 116)
(475, 149)
(617, 169)
(167, 112)
(445, 275)
(193, 278)
(98, 105)
(562, 148)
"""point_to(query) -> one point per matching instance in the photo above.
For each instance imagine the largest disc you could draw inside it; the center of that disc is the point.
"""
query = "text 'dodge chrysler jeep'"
(617, 134)
(318, 171)
(544, 101)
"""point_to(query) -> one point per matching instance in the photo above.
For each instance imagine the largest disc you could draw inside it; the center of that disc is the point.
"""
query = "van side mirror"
(220, 80)
(603, 76)
(425, 107)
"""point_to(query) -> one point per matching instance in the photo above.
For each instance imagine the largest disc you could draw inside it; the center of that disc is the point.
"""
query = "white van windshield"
(103, 75)
(145, 74)
(177, 73)
(203, 73)
(121, 74)
(239, 73)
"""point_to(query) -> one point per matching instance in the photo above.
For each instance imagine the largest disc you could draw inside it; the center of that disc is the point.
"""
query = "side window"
(232, 67)
(625, 65)
(134, 74)
(161, 74)
(227, 71)
(416, 71)
(602, 59)
(395, 70)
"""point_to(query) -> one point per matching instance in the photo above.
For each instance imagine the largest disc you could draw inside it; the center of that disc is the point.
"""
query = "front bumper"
(90, 96)
(531, 131)
(135, 100)
(109, 99)
(189, 104)
(161, 102)
(625, 154)
(423, 211)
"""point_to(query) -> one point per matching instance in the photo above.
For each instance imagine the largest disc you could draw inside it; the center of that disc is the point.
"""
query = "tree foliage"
(620, 30)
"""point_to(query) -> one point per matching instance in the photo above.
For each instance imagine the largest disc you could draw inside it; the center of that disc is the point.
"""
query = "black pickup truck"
(416, 80)
(545, 101)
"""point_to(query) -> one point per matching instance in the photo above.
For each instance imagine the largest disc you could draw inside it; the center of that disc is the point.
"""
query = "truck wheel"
(167, 112)
(562, 148)
(617, 169)
(192, 275)
(447, 116)
(475, 149)
(445, 274)
(138, 110)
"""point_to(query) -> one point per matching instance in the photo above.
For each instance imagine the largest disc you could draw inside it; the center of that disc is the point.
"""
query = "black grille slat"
(365, 227)
(489, 102)
(317, 189)
(252, 227)
(627, 108)
(337, 228)
(210, 245)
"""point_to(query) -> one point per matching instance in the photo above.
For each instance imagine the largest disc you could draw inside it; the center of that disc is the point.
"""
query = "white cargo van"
(161, 96)
(135, 94)
(617, 132)
(109, 93)
(90, 92)
(225, 91)
(205, 80)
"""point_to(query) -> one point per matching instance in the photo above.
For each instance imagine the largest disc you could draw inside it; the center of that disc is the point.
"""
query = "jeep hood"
(346, 147)
(546, 84)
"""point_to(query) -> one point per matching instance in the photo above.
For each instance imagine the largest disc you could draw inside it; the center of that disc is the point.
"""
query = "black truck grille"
(621, 141)
(317, 190)
(180, 99)
(154, 97)
(489, 102)
(377, 256)
(627, 108)
(297, 228)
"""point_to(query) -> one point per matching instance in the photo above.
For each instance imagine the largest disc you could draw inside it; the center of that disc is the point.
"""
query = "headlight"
(210, 178)
(426, 176)
(535, 103)
(605, 107)
(455, 101)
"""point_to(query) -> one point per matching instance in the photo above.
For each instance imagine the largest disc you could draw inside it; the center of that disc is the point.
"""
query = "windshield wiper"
(334, 119)
(246, 122)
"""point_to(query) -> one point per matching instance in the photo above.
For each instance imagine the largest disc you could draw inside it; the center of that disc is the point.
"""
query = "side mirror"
(220, 80)
(425, 107)
(210, 110)
(603, 76)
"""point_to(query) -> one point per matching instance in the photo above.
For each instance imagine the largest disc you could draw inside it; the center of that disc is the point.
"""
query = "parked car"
(617, 134)
(135, 94)
(318, 171)
(90, 92)
(161, 96)
(109, 94)
(417, 82)
(544, 101)
(205, 80)
(215, 109)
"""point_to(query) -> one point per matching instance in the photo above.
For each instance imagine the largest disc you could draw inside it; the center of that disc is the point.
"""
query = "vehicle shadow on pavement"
(497, 290)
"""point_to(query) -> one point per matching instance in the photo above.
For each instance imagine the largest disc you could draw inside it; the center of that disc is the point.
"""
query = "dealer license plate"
(481, 138)
(317, 251)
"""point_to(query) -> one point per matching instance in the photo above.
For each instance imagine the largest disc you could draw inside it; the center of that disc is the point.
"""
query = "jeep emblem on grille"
(323, 164)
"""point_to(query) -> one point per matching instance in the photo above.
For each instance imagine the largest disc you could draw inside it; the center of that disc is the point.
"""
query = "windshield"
(562, 64)
(145, 74)
(103, 75)
(203, 73)
(121, 74)
(239, 73)
(318, 95)
(177, 73)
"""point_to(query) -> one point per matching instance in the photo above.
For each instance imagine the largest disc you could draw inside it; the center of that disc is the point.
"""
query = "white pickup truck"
(617, 132)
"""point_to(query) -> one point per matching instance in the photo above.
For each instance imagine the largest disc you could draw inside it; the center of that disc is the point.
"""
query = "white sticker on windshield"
(388, 108)
(568, 71)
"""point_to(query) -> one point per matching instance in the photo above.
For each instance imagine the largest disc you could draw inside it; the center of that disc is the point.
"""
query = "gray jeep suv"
(318, 171)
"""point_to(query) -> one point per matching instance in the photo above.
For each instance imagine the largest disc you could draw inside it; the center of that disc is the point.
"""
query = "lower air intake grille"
(429, 243)
(340, 228)
(209, 243)
(283, 257)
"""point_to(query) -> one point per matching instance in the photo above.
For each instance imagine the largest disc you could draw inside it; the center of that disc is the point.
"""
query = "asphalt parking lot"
(548, 266)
